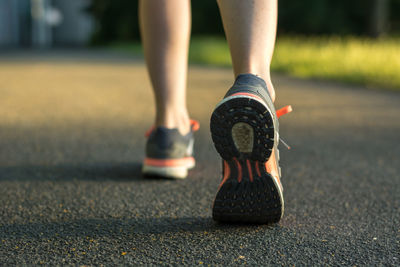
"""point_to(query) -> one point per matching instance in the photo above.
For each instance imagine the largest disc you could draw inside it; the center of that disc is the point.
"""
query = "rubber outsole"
(176, 172)
(248, 192)
(242, 110)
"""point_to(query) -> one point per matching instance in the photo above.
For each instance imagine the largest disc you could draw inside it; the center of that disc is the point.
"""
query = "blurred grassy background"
(357, 60)
(354, 41)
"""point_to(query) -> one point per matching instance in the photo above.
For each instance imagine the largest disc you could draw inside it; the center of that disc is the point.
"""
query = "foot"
(169, 154)
(245, 131)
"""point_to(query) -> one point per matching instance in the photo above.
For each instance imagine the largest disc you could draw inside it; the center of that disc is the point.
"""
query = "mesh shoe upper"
(164, 143)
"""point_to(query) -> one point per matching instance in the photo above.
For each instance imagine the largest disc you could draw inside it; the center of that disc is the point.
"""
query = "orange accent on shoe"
(227, 173)
(194, 126)
(258, 169)
(169, 162)
(247, 94)
(272, 167)
(284, 110)
(149, 131)
(249, 169)
(239, 170)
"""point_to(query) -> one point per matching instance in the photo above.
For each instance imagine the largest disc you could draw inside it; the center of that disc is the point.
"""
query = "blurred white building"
(44, 23)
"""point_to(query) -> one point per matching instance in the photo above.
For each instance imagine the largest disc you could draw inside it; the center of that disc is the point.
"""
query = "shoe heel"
(242, 126)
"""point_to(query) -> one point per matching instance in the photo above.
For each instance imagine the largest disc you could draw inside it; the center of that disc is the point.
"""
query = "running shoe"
(168, 153)
(245, 131)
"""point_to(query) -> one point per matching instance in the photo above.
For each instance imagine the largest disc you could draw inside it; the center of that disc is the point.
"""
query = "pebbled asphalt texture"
(71, 144)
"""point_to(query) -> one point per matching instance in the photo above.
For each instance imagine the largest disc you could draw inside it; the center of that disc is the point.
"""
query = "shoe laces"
(280, 112)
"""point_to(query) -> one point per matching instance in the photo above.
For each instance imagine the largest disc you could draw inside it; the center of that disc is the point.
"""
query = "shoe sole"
(242, 130)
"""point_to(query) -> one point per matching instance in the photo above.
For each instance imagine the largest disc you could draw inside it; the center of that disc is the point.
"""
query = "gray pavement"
(71, 145)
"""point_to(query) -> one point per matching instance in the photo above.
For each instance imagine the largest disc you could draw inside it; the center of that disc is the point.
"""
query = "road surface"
(71, 144)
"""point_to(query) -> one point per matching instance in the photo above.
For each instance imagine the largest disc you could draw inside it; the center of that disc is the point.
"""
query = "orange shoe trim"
(247, 94)
(249, 170)
(279, 112)
(194, 125)
(258, 169)
(169, 162)
(272, 168)
(239, 170)
(284, 110)
(227, 173)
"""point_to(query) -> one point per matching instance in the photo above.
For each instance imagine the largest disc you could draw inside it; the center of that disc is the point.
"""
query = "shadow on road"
(112, 227)
(99, 171)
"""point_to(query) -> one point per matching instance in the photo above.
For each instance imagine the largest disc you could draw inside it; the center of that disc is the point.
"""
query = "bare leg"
(250, 28)
(165, 30)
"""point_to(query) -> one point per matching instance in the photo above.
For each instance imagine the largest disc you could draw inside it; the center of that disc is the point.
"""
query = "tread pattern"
(248, 111)
(249, 194)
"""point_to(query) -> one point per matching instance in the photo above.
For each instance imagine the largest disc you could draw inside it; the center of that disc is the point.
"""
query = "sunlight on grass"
(367, 62)
(352, 60)
(209, 50)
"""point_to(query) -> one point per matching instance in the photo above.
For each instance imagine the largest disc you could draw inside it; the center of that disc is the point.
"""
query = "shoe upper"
(164, 143)
(252, 84)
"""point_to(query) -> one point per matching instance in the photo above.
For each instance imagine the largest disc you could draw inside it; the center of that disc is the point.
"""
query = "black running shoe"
(168, 153)
(245, 130)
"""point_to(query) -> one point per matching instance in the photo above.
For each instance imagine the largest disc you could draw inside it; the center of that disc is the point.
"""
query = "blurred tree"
(379, 17)
(117, 20)
(206, 18)
(394, 17)
(323, 16)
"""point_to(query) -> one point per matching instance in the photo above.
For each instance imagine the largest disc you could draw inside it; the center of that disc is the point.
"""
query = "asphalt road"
(71, 145)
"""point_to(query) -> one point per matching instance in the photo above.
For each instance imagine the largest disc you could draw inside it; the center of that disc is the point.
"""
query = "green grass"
(373, 63)
(358, 61)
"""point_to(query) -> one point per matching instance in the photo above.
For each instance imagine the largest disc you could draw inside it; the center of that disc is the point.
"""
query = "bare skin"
(250, 28)
(165, 31)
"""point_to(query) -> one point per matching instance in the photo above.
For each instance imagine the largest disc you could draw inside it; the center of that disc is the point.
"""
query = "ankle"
(271, 89)
(174, 119)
